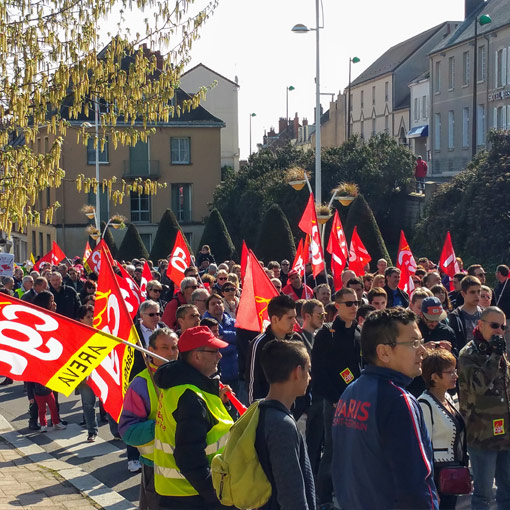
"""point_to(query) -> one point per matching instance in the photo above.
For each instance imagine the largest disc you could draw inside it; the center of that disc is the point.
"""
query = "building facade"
(418, 135)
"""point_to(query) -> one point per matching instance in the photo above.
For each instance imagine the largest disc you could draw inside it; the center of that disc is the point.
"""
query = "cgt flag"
(42, 346)
(87, 252)
(54, 256)
(448, 262)
(308, 224)
(111, 378)
(337, 246)
(257, 292)
(93, 263)
(406, 264)
(180, 259)
(358, 254)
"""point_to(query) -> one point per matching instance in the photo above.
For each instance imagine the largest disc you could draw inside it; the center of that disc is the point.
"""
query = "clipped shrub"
(132, 246)
(217, 237)
(109, 240)
(165, 236)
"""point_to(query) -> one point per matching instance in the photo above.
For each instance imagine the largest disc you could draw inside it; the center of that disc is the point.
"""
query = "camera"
(497, 344)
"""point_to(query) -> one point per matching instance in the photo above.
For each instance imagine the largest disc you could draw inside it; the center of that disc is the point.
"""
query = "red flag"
(308, 224)
(111, 378)
(307, 254)
(93, 263)
(146, 277)
(244, 259)
(54, 256)
(257, 292)
(337, 246)
(299, 262)
(448, 262)
(87, 252)
(130, 292)
(44, 347)
(358, 254)
(406, 264)
(180, 259)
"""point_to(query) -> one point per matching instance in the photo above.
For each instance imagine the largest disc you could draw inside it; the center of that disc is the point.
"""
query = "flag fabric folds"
(337, 247)
(93, 263)
(309, 225)
(299, 260)
(54, 256)
(406, 264)
(180, 259)
(257, 292)
(146, 277)
(87, 252)
(358, 254)
(448, 262)
(41, 346)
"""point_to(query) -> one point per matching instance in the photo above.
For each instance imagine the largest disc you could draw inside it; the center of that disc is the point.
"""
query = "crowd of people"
(395, 391)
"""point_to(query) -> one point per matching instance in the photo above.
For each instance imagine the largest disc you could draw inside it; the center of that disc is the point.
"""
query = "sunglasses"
(192, 287)
(154, 290)
(349, 303)
(496, 325)
(222, 278)
(230, 289)
(152, 314)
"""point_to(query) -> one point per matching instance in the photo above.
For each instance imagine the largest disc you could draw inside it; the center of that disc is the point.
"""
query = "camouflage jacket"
(484, 394)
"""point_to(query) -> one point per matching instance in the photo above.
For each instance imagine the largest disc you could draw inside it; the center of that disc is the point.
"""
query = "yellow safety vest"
(147, 450)
(168, 479)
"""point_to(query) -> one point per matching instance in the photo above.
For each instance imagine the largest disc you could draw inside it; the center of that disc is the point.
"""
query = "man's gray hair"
(188, 281)
(148, 304)
(489, 310)
(27, 278)
(199, 293)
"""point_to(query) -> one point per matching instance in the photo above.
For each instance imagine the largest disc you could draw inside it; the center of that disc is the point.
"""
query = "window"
(139, 158)
(373, 95)
(416, 108)
(386, 91)
(465, 127)
(362, 134)
(424, 112)
(500, 120)
(451, 129)
(48, 242)
(373, 127)
(362, 95)
(46, 145)
(465, 68)
(181, 201)
(480, 125)
(91, 152)
(33, 251)
(500, 67)
(147, 241)
(41, 246)
(140, 208)
(180, 151)
(437, 78)
(451, 73)
(437, 131)
(38, 146)
(481, 64)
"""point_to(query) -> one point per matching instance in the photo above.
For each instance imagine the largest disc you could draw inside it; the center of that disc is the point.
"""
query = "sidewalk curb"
(105, 497)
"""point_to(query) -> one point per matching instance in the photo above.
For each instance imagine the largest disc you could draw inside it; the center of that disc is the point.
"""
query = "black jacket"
(193, 422)
(440, 332)
(76, 285)
(336, 359)
(67, 301)
(456, 322)
(403, 295)
(502, 297)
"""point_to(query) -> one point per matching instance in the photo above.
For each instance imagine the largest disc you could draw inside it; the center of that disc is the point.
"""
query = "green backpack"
(237, 475)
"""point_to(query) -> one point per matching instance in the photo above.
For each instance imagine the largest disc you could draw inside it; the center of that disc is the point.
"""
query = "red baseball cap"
(292, 272)
(199, 336)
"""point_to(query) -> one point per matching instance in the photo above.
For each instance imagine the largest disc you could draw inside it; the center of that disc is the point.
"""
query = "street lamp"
(485, 19)
(288, 89)
(251, 115)
(301, 29)
(353, 60)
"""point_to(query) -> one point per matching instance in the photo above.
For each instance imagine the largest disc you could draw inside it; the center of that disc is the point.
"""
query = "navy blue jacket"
(382, 455)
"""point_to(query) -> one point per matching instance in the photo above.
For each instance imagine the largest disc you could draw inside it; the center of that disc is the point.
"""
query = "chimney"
(282, 125)
(305, 122)
(296, 125)
(159, 60)
(470, 6)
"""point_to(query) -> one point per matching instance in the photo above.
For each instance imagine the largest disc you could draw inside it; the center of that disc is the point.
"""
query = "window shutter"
(504, 80)
(496, 70)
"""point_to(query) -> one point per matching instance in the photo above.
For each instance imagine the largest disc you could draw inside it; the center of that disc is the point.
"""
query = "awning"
(418, 131)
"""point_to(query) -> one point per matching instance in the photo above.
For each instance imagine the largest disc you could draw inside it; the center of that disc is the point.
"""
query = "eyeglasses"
(152, 314)
(209, 351)
(194, 287)
(349, 303)
(495, 325)
(230, 289)
(415, 344)
(451, 372)
(154, 290)
(221, 278)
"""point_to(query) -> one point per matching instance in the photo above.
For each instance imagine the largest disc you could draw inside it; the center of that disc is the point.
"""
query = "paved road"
(105, 459)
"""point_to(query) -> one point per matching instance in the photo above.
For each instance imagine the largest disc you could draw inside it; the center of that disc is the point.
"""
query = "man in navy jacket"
(382, 455)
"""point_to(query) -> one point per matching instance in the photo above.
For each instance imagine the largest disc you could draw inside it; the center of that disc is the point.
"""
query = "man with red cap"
(296, 289)
(192, 423)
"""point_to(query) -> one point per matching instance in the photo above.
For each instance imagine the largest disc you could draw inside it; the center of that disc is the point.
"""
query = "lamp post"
(485, 19)
(353, 60)
(251, 115)
(290, 88)
(300, 29)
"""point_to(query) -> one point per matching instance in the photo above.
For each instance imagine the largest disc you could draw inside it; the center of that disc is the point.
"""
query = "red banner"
(93, 263)
(180, 259)
(308, 224)
(358, 254)
(299, 261)
(130, 292)
(54, 256)
(41, 346)
(257, 292)
(146, 277)
(244, 260)
(86, 253)
(337, 246)
(448, 262)
(406, 264)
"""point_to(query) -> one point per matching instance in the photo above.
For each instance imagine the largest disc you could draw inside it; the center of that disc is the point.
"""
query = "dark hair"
(181, 311)
(92, 276)
(503, 269)
(375, 292)
(459, 276)
(420, 272)
(436, 362)
(472, 268)
(43, 299)
(280, 305)
(469, 281)
(390, 270)
(447, 304)
(363, 311)
(209, 322)
(211, 297)
(153, 338)
(354, 281)
(381, 327)
(84, 310)
(299, 307)
(330, 310)
(342, 292)
(309, 306)
(280, 357)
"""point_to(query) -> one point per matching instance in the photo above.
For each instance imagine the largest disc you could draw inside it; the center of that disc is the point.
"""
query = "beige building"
(454, 121)
(380, 96)
(222, 102)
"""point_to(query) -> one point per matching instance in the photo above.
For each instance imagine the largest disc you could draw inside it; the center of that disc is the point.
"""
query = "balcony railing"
(148, 169)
